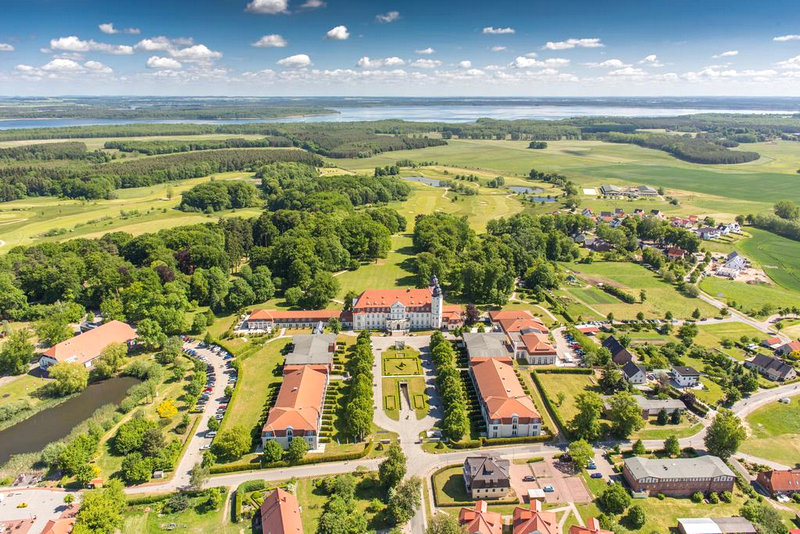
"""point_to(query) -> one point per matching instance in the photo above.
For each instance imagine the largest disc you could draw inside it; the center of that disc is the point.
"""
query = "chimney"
(593, 524)
(481, 507)
(536, 505)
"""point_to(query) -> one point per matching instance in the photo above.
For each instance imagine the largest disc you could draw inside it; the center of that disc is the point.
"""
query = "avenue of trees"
(455, 424)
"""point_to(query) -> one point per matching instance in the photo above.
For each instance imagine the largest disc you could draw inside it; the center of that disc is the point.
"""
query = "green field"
(631, 277)
(748, 297)
(401, 362)
(418, 398)
(775, 433)
(570, 385)
(146, 519)
(778, 256)
(386, 273)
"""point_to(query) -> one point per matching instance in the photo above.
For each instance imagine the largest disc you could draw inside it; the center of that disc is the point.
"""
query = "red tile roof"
(588, 329)
(773, 341)
(781, 481)
(296, 315)
(299, 401)
(501, 391)
(90, 344)
(534, 520)
(280, 514)
(592, 527)
(452, 313)
(384, 298)
(520, 325)
(537, 344)
(502, 315)
(479, 520)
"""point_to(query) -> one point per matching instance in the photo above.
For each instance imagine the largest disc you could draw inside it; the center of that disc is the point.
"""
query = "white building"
(399, 309)
(685, 377)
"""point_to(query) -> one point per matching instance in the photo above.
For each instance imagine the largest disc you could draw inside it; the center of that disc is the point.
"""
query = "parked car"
(591, 465)
(596, 475)
(211, 434)
(528, 478)
(548, 489)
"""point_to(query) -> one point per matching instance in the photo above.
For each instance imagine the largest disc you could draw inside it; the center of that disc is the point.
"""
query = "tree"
(297, 450)
(626, 416)
(393, 468)
(101, 510)
(17, 353)
(614, 499)
(150, 334)
(172, 348)
(198, 476)
(334, 325)
(636, 517)
(136, 469)
(68, 378)
(167, 409)
(213, 425)
(85, 473)
(725, 434)
(232, 444)
(472, 315)
(404, 499)
(293, 296)
(581, 452)
(671, 446)
(273, 452)
(110, 360)
(642, 295)
(675, 417)
(443, 523)
(687, 332)
(696, 313)
(53, 328)
(612, 379)
(639, 448)
(786, 209)
(586, 423)
(662, 417)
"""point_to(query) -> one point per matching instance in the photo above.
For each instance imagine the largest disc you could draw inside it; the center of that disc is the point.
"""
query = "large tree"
(581, 452)
(393, 468)
(17, 353)
(625, 414)
(443, 523)
(404, 499)
(101, 510)
(586, 423)
(69, 378)
(725, 434)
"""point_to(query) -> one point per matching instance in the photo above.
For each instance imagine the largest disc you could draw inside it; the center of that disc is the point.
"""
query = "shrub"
(713, 497)
(697, 497)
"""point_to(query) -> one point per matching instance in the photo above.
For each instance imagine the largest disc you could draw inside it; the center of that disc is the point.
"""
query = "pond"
(525, 190)
(53, 424)
(543, 199)
(423, 180)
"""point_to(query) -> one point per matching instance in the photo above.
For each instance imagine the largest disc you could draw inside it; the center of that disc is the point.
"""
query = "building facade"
(297, 412)
(486, 477)
(678, 477)
(505, 407)
(399, 309)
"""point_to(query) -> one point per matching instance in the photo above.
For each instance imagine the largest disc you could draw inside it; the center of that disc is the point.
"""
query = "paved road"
(42, 504)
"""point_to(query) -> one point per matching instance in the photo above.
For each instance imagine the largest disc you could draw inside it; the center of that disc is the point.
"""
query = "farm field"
(748, 297)
(631, 277)
(775, 433)
(778, 256)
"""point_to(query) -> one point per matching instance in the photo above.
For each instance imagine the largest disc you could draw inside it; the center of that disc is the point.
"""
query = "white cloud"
(272, 40)
(376, 63)
(651, 61)
(785, 38)
(727, 53)
(5, 47)
(389, 16)
(465, 64)
(96, 66)
(25, 68)
(74, 44)
(609, 64)
(474, 72)
(63, 65)
(156, 62)
(108, 27)
(531, 54)
(498, 48)
(426, 63)
(791, 63)
(572, 43)
(628, 71)
(154, 44)
(425, 51)
(490, 30)
(337, 33)
(296, 61)
(268, 7)
(313, 4)
(523, 62)
(196, 53)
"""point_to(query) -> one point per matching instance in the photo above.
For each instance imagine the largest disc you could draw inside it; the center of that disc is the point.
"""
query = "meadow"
(775, 433)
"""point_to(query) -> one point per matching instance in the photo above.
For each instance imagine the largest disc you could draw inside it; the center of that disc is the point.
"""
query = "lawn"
(26, 388)
(631, 277)
(417, 396)
(775, 433)
(146, 519)
(401, 362)
(570, 385)
(778, 256)
(749, 297)
(711, 335)
(396, 270)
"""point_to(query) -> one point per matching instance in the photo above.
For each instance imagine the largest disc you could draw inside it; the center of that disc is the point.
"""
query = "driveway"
(518, 472)
(42, 506)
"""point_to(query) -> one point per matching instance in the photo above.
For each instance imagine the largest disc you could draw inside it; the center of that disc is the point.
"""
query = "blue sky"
(400, 48)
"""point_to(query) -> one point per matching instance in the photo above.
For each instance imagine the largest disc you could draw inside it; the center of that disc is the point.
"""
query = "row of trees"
(455, 424)
(218, 196)
(356, 417)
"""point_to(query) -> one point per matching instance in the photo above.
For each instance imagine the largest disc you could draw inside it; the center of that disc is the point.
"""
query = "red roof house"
(84, 348)
(280, 514)
(480, 520)
(534, 520)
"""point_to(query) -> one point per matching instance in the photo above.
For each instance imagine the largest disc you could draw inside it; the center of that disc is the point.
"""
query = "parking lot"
(567, 486)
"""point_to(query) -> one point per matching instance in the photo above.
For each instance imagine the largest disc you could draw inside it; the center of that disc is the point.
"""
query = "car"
(548, 489)
(591, 465)
(205, 447)
(596, 475)
(208, 390)
(211, 434)
(219, 416)
(528, 478)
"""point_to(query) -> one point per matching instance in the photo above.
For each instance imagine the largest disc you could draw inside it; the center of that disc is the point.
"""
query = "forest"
(152, 148)
(692, 149)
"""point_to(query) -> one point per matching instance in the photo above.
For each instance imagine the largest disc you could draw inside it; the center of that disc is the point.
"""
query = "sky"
(400, 47)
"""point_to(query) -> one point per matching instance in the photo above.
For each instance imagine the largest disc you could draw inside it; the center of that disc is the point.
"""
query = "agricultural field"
(775, 433)
(778, 256)
(631, 277)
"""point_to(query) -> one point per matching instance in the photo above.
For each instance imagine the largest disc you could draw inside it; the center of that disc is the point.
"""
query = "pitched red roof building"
(84, 348)
(508, 411)
(480, 520)
(780, 481)
(298, 409)
(592, 527)
(280, 514)
(534, 520)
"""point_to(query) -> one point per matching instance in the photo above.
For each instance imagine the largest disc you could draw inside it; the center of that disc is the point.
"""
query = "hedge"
(152, 499)
(251, 466)
(567, 371)
(244, 487)
(617, 292)
(554, 413)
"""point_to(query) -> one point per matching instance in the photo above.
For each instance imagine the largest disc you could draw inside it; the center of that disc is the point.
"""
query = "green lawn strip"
(146, 519)
(27, 388)
(391, 398)
(775, 433)
(653, 430)
(539, 402)
(750, 298)
(570, 385)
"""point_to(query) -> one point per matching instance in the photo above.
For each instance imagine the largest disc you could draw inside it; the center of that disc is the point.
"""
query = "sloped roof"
(287, 315)
(486, 345)
(534, 520)
(702, 466)
(280, 514)
(487, 472)
(684, 370)
(312, 349)
(522, 325)
(592, 527)
(502, 315)
(87, 346)
(630, 369)
(501, 391)
(536, 343)
(479, 520)
(780, 481)
(299, 400)
(383, 298)
(769, 363)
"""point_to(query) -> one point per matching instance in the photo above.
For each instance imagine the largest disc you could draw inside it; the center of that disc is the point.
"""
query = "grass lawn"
(749, 297)
(711, 335)
(570, 385)
(146, 519)
(778, 256)
(418, 398)
(26, 388)
(775, 433)
(401, 362)
(395, 270)
(631, 277)
(653, 430)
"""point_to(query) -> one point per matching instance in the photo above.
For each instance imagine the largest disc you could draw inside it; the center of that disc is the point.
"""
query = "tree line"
(160, 146)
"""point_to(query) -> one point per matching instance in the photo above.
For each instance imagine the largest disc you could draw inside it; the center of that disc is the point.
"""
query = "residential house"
(486, 477)
(592, 527)
(772, 343)
(487, 345)
(780, 482)
(610, 190)
(298, 409)
(646, 191)
(580, 238)
(619, 212)
(600, 245)
(707, 232)
(736, 261)
(685, 377)
(680, 222)
(505, 407)
(639, 212)
(619, 354)
(657, 213)
(772, 368)
(312, 349)
(678, 477)
(652, 407)
(587, 329)
(718, 525)
(480, 520)
(634, 373)
(676, 253)
(534, 520)
(788, 348)
(86, 347)
(587, 212)
(452, 317)
(534, 348)
(508, 319)
(280, 514)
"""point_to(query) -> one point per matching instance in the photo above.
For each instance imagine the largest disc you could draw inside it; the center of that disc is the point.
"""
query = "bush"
(697, 497)
(614, 499)
(713, 497)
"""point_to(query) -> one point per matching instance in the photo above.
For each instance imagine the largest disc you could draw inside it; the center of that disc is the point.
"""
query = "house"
(736, 262)
(657, 213)
(399, 309)
(63, 524)
(634, 373)
(601, 245)
(676, 253)
(587, 212)
(487, 345)
(580, 238)
(312, 349)
(734, 228)
(452, 317)
(619, 212)
(280, 514)
(505, 407)
(534, 520)
(610, 190)
(788, 348)
(720, 525)
(772, 368)
(486, 477)
(587, 329)
(619, 354)
(497, 317)
(480, 520)
(685, 377)
(652, 407)
(606, 215)
(85, 348)
(534, 348)
(707, 232)
(260, 320)
(646, 191)
(298, 409)
(772, 343)
(780, 482)
(592, 527)
(678, 477)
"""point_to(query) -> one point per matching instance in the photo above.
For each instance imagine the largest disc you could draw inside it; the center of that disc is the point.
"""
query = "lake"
(546, 200)
(421, 179)
(525, 190)
(53, 424)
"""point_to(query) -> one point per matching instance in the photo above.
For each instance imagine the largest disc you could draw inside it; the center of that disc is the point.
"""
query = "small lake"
(525, 190)
(546, 200)
(53, 424)
(423, 180)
